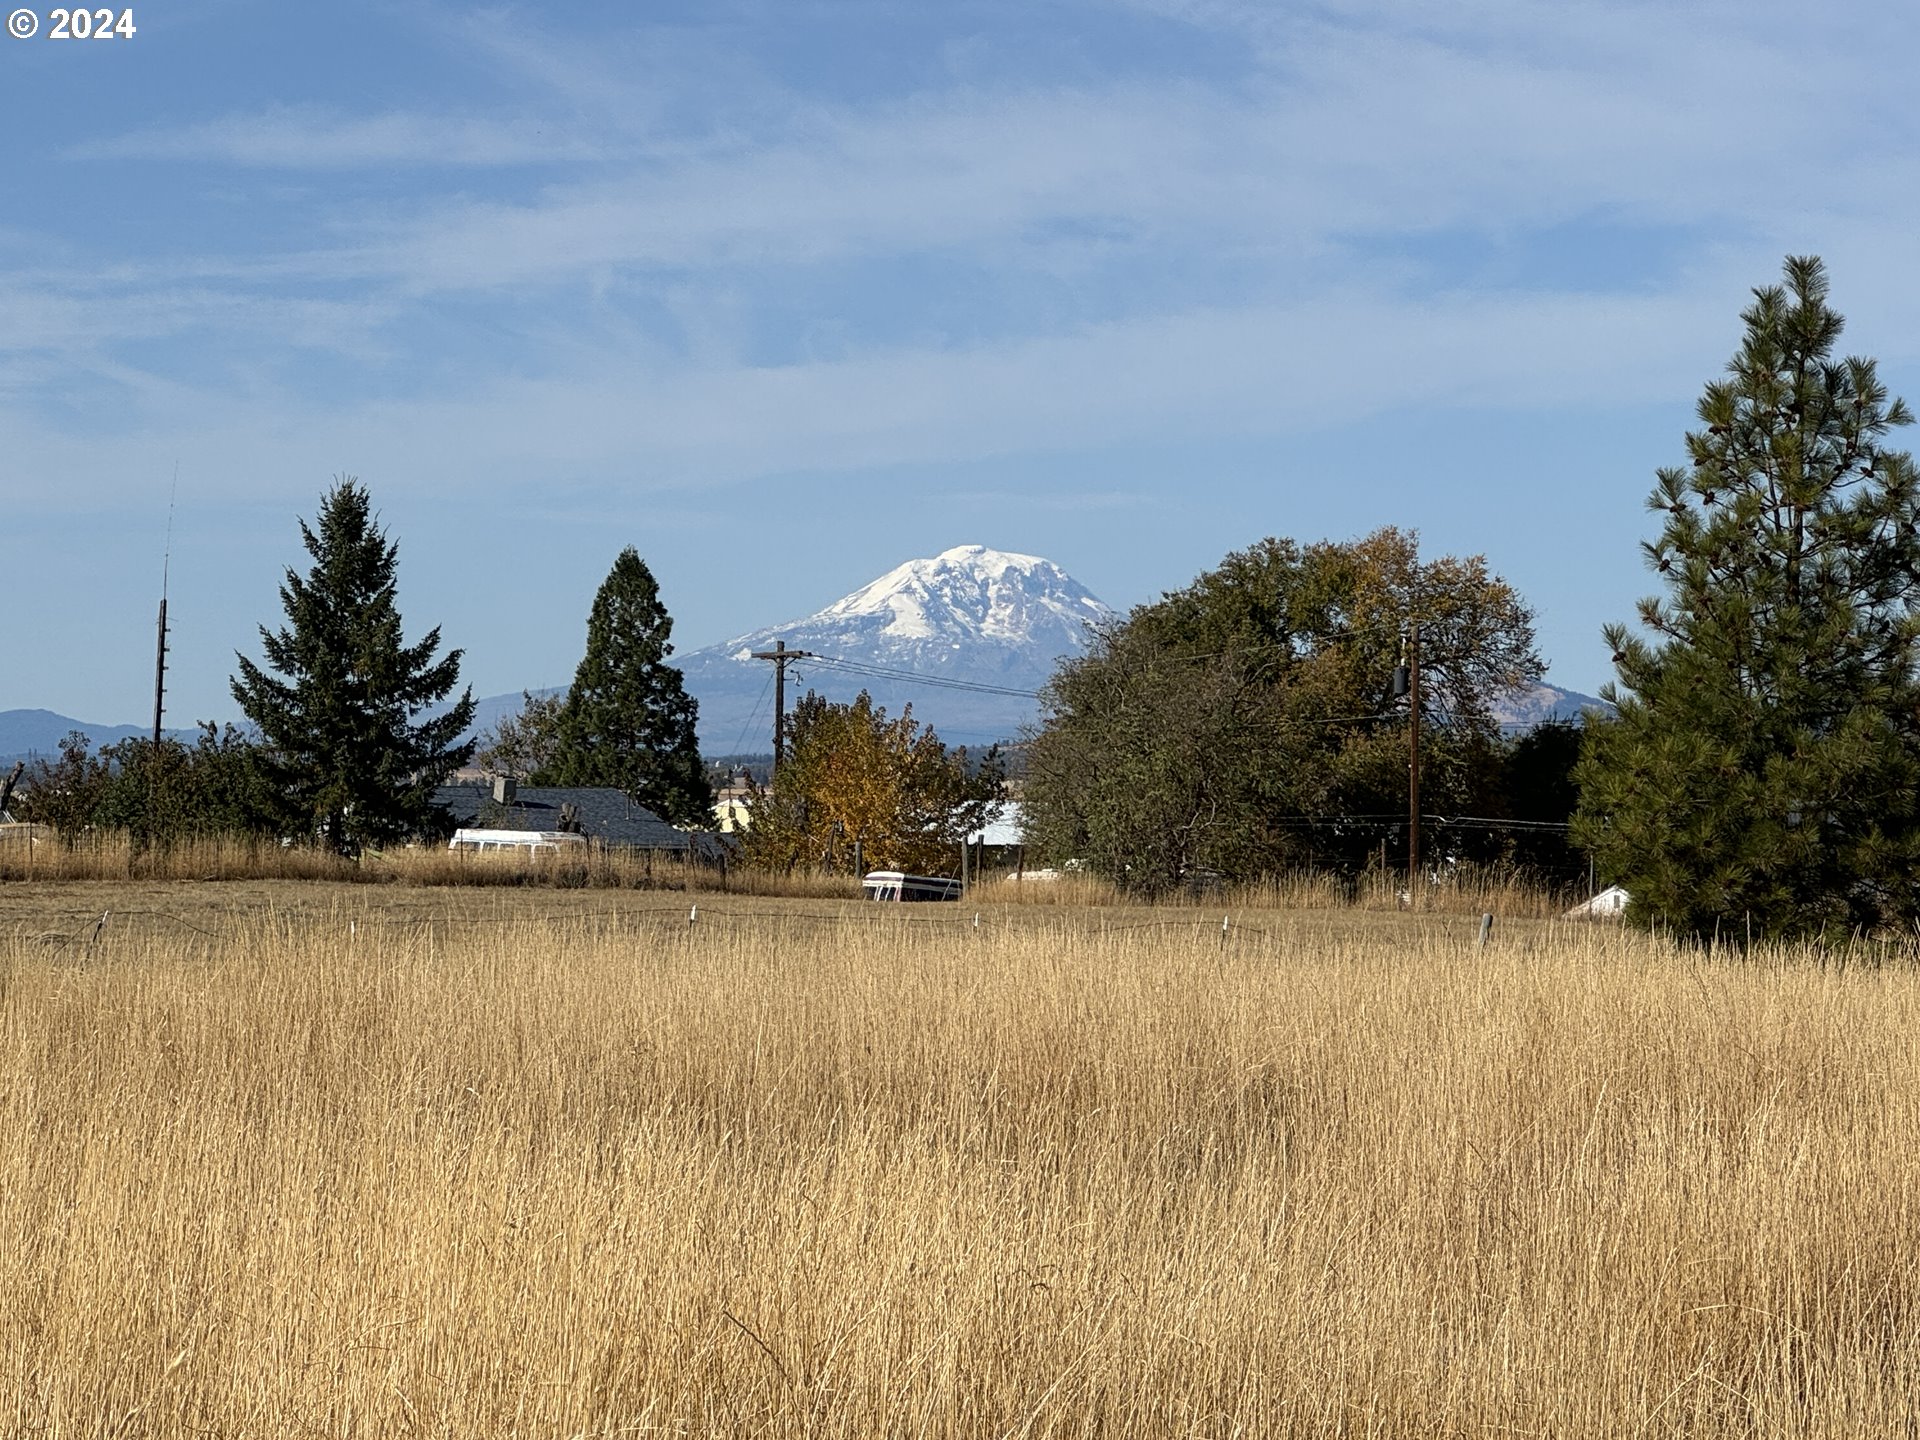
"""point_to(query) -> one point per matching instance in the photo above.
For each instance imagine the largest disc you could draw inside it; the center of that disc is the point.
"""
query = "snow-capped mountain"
(967, 617)
(977, 623)
(1540, 704)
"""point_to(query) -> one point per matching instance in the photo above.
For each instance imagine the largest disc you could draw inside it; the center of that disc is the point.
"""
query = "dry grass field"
(286, 1160)
(36, 856)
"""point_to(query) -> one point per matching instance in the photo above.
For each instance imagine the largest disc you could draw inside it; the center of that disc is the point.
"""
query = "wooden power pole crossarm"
(780, 655)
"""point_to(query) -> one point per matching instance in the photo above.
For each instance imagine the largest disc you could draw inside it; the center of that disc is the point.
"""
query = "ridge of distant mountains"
(1543, 704)
(979, 630)
(27, 734)
(965, 636)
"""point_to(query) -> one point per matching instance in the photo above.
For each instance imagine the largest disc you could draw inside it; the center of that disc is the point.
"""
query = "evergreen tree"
(628, 721)
(1537, 791)
(1763, 774)
(350, 747)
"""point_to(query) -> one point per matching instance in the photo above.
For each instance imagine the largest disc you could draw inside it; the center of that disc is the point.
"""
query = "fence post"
(1486, 926)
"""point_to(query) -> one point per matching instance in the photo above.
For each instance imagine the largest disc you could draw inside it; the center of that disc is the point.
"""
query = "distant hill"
(25, 734)
(1539, 704)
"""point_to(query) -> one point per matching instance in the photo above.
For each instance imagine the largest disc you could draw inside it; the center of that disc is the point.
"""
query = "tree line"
(1257, 721)
(1758, 776)
(352, 728)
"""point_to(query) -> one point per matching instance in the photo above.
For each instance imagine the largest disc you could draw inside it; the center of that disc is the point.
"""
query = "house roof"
(606, 815)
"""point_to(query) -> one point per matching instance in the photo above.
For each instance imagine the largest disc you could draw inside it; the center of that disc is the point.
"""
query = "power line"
(1395, 819)
(871, 671)
(740, 741)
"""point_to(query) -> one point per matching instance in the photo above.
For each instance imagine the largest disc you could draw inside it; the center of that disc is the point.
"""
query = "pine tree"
(1763, 773)
(350, 745)
(628, 721)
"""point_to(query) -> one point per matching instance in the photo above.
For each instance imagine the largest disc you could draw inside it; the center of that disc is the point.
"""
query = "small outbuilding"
(1609, 904)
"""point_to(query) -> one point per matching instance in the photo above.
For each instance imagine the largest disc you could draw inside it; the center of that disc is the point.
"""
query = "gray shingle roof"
(605, 815)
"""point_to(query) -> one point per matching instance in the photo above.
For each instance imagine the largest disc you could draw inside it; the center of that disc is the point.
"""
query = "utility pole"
(152, 826)
(1413, 760)
(160, 664)
(159, 679)
(780, 655)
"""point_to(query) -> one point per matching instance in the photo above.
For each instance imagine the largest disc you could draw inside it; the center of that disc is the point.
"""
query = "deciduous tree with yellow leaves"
(859, 789)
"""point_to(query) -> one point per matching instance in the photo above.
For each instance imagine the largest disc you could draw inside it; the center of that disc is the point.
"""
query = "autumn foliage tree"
(856, 783)
(1246, 725)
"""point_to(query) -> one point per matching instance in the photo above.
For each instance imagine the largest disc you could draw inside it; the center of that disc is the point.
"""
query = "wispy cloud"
(1252, 372)
(1228, 258)
(1354, 133)
(311, 138)
(1070, 501)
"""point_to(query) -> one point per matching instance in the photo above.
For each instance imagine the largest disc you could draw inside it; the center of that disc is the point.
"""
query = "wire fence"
(78, 932)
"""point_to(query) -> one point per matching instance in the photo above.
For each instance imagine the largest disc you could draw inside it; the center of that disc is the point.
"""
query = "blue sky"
(785, 293)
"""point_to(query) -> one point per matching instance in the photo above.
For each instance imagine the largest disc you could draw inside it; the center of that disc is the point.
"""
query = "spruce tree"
(350, 744)
(628, 721)
(1763, 773)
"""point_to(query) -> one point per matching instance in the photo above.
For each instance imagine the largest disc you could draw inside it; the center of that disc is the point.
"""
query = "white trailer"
(517, 842)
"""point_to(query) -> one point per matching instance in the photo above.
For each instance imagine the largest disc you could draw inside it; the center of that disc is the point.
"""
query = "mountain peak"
(965, 594)
(985, 558)
(970, 615)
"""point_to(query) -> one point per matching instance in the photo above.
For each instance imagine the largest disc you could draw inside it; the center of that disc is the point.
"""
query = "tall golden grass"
(1466, 890)
(117, 856)
(870, 1176)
